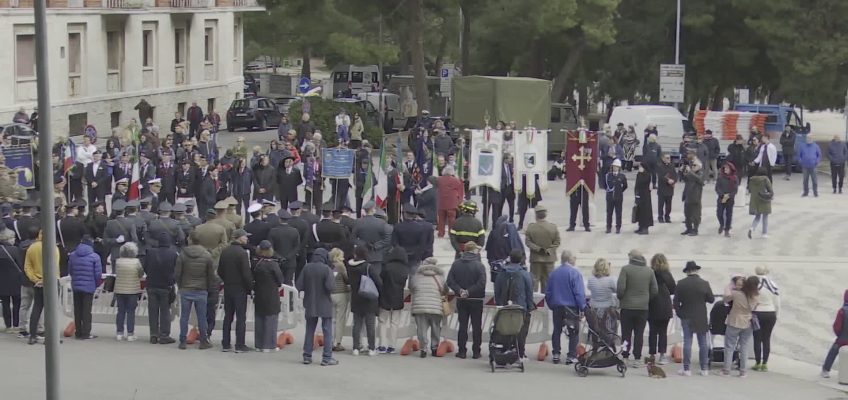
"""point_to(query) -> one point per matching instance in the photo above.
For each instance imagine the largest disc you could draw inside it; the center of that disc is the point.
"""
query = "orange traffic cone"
(581, 349)
(192, 336)
(289, 337)
(445, 347)
(407, 347)
(677, 353)
(318, 341)
(70, 329)
(281, 340)
(543, 351)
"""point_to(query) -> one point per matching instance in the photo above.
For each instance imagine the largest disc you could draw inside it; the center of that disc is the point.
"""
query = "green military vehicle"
(527, 101)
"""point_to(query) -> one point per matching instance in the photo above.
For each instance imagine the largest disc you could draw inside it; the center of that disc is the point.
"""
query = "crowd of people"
(203, 221)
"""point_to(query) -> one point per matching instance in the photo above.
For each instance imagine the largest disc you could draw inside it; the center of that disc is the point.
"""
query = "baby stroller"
(718, 327)
(503, 337)
(602, 353)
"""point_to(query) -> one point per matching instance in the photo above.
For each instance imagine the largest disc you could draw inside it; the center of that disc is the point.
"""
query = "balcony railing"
(130, 4)
(192, 3)
(245, 3)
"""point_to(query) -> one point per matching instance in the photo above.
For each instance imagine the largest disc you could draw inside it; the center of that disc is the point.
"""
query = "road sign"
(672, 83)
(304, 85)
(446, 79)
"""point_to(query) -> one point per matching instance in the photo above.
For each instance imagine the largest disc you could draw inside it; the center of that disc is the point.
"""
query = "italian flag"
(134, 191)
(377, 191)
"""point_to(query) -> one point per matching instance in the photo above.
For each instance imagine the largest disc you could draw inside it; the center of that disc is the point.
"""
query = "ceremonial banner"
(336, 162)
(19, 159)
(486, 159)
(581, 160)
(531, 158)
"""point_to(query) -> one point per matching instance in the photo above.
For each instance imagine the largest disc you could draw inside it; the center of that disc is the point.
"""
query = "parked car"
(251, 85)
(284, 103)
(254, 66)
(393, 118)
(371, 115)
(257, 112)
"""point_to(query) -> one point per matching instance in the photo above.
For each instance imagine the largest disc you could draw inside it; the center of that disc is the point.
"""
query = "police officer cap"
(328, 207)
(540, 208)
(133, 203)
(29, 203)
(166, 207)
(255, 207)
(231, 201)
(211, 211)
(295, 205)
(410, 209)
(78, 203)
(145, 200)
(179, 207)
(221, 205)
(284, 214)
(265, 245)
(190, 203)
(380, 213)
(119, 205)
(369, 205)
(268, 203)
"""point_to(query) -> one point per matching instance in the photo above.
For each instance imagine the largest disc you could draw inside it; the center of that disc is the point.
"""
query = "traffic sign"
(304, 85)
(672, 83)
(446, 79)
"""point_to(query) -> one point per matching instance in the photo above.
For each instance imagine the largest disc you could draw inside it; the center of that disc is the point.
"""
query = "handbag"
(765, 195)
(634, 218)
(109, 283)
(367, 287)
(446, 305)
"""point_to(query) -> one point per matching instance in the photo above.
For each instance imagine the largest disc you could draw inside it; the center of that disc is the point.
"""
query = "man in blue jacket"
(514, 286)
(809, 158)
(566, 297)
(85, 271)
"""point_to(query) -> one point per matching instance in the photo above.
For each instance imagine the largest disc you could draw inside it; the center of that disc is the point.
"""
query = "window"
(74, 53)
(115, 118)
(236, 41)
(209, 45)
(555, 115)
(114, 50)
(356, 77)
(181, 107)
(340, 77)
(147, 48)
(210, 104)
(77, 123)
(25, 56)
(179, 46)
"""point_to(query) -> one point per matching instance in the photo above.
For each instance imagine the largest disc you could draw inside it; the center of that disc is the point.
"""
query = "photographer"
(693, 179)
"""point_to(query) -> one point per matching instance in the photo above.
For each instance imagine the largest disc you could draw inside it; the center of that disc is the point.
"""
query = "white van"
(357, 78)
(671, 125)
(391, 107)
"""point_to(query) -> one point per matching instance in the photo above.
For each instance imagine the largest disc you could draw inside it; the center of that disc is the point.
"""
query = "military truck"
(527, 101)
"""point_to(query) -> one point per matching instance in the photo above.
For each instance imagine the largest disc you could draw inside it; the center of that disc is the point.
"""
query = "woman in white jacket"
(766, 312)
(428, 287)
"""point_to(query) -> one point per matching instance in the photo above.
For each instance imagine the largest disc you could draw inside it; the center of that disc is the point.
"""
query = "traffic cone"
(70, 329)
(192, 336)
(677, 353)
(543, 351)
(281, 340)
(408, 347)
(445, 347)
(289, 337)
(318, 341)
(581, 349)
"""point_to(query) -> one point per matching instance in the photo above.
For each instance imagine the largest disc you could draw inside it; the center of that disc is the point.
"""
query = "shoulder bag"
(367, 287)
(447, 309)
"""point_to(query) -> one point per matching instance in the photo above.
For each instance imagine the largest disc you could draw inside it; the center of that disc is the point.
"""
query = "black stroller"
(503, 337)
(603, 352)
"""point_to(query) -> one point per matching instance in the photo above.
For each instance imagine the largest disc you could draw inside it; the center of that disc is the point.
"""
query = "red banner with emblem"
(581, 160)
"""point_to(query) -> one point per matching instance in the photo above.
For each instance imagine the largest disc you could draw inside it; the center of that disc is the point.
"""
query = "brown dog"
(653, 370)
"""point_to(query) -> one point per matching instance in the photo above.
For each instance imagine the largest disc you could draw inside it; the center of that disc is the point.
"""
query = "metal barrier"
(104, 310)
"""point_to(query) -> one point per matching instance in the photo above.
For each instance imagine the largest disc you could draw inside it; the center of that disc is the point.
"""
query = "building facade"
(105, 56)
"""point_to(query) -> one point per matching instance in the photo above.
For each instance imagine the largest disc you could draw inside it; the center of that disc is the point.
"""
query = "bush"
(323, 112)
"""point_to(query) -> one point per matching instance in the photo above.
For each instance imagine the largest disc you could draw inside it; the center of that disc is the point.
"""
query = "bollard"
(843, 365)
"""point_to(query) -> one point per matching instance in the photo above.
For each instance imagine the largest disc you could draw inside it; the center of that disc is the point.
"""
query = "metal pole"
(677, 44)
(46, 216)
(380, 78)
(845, 111)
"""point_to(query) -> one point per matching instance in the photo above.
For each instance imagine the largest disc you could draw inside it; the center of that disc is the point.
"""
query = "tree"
(416, 42)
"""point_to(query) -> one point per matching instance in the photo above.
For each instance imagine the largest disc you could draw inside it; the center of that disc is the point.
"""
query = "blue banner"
(336, 163)
(19, 159)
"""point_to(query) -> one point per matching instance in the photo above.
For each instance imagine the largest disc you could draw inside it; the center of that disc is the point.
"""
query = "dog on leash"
(653, 370)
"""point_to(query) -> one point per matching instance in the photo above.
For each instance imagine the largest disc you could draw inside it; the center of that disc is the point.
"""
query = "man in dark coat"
(693, 179)
(263, 180)
(327, 233)
(412, 235)
(317, 283)
(467, 279)
(205, 195)
(185, 180)
(690, 303)
(71, 228)
(666, 179)
(168, 174)
(97, 178)
(304, 230)
(373, 233)
(615, 183)
(234, 271)
(288, 180)
(257, 228)
(194, 115)
(285, 240)
(394, 274)
(123, 169)
(147, 172)
(507, 194)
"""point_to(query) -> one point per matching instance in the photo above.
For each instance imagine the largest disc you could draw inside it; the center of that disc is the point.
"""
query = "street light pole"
(677, 46)
(48, 226)
(380, 78)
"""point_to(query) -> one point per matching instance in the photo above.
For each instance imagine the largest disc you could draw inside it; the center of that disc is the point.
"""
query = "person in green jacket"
(636, 286)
